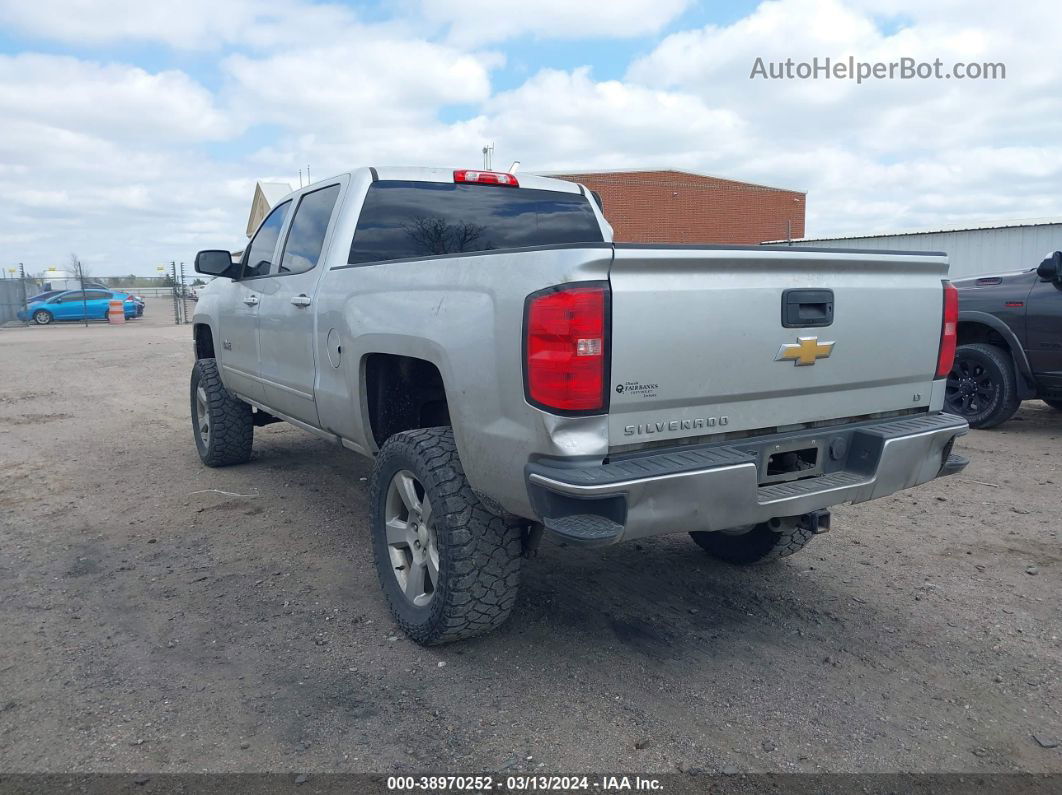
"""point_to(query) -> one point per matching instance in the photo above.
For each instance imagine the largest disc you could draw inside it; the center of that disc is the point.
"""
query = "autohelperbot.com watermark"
(851, 68)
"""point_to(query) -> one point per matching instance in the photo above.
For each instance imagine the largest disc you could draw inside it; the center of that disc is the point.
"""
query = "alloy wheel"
(970, 389)
(411, 540)
(202, 416)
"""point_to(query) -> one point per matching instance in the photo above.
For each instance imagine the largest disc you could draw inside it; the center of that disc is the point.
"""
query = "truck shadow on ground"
(665, 599)
(661, 598)
(1032, 419)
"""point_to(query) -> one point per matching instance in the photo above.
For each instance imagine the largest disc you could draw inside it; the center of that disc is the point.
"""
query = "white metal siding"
(972, 252)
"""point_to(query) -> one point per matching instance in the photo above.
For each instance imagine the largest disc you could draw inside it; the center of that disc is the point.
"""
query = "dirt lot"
(153, 622)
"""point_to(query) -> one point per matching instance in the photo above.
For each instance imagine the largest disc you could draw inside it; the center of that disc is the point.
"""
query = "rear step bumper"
(730, 484)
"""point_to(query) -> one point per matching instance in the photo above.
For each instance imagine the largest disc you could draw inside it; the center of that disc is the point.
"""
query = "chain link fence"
(15, 289)
(176, 285)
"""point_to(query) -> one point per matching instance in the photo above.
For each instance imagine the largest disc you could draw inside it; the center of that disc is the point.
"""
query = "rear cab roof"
(418, 174)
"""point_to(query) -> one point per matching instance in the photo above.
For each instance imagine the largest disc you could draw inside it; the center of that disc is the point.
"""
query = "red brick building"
(670, 206)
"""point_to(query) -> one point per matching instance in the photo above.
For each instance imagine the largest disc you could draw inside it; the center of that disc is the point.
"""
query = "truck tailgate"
(698, 336)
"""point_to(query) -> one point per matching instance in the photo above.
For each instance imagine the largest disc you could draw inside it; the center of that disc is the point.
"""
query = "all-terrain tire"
(1055, 404)
(989, 370)
(230, 422)
(479, 552)
(761, 544)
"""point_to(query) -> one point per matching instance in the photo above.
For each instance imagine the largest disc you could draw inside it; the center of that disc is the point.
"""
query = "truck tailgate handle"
(807, 308)
(301, 300)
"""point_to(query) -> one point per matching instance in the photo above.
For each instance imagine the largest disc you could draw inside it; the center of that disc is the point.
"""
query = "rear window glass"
(421, 219)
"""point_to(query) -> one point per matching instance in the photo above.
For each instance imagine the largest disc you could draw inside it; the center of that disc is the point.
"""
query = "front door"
(69, 306)
(1043, 323)
(239, 314)
(286, 319)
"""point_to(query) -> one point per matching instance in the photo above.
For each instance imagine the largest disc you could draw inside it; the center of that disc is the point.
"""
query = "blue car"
(76, 305)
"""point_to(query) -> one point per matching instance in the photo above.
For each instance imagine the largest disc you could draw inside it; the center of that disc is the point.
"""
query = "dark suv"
(1010, 344)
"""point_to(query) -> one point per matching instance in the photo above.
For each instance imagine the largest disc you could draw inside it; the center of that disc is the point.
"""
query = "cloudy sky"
(132, 132)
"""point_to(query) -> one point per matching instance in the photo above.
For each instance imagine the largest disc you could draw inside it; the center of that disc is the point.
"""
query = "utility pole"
(84, 298)
(176, 294)
(184, 296)
(23, 295)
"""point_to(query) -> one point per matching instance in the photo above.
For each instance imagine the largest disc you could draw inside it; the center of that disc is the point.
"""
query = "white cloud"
(893, 153)
(114, 100)
(358, 85)
(478, 21)
(187, 25)
(114, 160)
(567, 120)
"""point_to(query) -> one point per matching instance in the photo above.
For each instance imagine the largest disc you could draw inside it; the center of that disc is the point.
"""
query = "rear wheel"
(981, 386)
(1055, 404)
(449, 567)
(753, 544)
(223, 424)
(42, 317)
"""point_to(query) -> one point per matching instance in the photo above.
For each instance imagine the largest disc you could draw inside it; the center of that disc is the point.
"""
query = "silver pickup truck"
(513, 371)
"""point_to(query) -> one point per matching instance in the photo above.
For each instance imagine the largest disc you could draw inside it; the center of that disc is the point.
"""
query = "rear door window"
(306, 234)
(402, 219)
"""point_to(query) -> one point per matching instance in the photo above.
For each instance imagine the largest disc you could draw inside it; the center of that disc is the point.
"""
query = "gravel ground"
(161, 616)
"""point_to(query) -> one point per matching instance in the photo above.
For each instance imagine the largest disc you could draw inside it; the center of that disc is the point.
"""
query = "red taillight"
(486, 177)
(949, 331)
(565, 346)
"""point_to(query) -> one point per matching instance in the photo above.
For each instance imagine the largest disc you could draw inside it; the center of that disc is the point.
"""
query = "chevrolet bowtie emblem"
(804, 351)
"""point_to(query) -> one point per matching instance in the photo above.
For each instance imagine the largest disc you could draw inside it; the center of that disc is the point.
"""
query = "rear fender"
(1026, 383)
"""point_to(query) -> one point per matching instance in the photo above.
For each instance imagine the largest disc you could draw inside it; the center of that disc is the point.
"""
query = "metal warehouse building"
(972, 251)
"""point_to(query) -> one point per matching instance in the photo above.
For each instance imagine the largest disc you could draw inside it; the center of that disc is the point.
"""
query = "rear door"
(701, 344)
(98, 303)
(286, 315)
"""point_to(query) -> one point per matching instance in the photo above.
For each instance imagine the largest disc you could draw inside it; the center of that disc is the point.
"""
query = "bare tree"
(436, 236)
(77, 268)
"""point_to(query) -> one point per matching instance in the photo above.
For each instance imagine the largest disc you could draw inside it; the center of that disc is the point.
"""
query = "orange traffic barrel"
(116, 312)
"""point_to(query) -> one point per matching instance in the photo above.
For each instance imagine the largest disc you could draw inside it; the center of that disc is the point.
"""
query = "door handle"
(301, 300)
(251, 300)
(807, 308)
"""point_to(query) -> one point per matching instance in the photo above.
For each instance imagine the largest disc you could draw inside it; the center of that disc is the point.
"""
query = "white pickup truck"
(514, 371)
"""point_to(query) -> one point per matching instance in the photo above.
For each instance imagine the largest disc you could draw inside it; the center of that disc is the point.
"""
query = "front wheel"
(753, 544)
(42, 317)
(449, 567)
(981, 387)
(223, 424)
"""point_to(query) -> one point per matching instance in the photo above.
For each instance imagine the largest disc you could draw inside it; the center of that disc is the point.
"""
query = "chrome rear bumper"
(716, 487)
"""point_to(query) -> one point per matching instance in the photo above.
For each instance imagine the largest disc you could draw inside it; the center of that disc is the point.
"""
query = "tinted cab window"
(258, 258)
(307, 233)
(403, 219)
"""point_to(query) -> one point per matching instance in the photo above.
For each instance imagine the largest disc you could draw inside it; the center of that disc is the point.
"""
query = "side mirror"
(1051, 268)
(214, 262)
